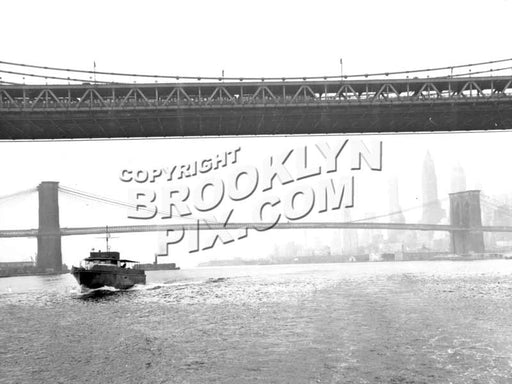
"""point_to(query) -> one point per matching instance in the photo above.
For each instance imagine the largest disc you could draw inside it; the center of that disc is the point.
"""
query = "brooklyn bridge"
(465, 223)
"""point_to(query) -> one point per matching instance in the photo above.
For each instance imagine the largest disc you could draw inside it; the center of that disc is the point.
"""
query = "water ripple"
(437, 322)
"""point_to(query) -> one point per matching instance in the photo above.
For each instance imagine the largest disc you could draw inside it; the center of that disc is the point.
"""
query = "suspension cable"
(491, 71)
(106, 200)
(177, 77)
(17, 194)
(399, 212)
(497, 205)
(99, 199)
(52, 77)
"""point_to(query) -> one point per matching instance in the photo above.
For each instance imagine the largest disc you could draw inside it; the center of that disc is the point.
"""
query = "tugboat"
(102, 269)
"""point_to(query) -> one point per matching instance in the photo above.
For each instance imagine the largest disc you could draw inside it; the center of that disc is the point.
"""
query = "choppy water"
(409, 322)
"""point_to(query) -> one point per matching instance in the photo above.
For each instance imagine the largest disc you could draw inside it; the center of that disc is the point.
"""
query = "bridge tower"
(465, 212)
(49, 254)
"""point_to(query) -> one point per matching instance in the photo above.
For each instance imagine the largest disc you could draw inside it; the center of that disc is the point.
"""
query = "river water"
(402, 322)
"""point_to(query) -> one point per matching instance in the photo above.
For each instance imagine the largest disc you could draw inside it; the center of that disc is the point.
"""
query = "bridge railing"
(26, 98)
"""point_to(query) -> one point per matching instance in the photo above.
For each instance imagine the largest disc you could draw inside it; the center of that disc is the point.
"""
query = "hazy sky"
(257, 38)
(264, 38)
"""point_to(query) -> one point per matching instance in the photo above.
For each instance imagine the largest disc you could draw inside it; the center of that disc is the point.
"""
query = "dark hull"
(120, 278)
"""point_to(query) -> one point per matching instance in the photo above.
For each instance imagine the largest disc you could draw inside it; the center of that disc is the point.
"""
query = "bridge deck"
(220, 226)
(249, 107)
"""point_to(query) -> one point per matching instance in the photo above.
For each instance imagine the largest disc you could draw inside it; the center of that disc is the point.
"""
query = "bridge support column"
(465, 212)
(49, 254)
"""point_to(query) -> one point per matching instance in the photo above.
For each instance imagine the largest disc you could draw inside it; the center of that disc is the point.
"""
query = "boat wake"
(107, 292)
(86, 293)
(153, 287)
(216, 280)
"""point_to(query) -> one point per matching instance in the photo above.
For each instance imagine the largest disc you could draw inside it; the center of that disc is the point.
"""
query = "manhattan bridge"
(38, 102)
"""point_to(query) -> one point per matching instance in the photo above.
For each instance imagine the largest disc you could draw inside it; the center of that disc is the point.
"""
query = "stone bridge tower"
(49, 254)
(465, 212)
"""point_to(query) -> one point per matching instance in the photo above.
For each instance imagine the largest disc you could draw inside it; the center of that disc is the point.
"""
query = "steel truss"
(26, 98)
(265, 107)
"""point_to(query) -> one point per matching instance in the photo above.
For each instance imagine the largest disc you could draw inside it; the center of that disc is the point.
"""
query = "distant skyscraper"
(349, 236)
(394, 207)
(432, 211)
(394, 202)
(458, 179)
